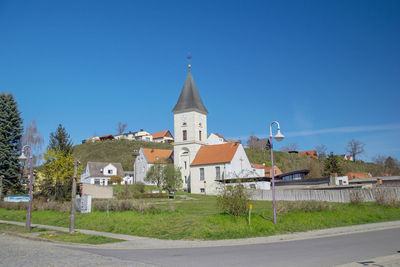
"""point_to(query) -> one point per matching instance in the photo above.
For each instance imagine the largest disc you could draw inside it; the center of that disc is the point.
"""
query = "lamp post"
(278, 137)
(24, 158)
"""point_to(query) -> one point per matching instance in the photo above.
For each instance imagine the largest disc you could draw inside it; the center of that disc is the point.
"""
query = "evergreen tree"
(60, 141)
(332, 165)
(10, 134)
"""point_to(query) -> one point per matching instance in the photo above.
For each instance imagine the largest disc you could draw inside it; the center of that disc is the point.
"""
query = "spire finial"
(189, 57)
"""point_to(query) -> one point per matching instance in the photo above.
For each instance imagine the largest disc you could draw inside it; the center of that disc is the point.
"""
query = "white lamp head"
(23, 158)
(279, 137)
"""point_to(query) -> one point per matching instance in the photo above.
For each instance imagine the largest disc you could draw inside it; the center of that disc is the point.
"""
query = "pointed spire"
(189, 99)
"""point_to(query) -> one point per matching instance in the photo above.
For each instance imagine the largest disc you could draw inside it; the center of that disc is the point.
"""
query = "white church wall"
(214, 139)
(210, 174)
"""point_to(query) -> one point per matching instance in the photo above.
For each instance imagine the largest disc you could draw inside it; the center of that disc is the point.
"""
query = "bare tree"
(121, 127)
(290, 147)
(379, 160)
(354, 148)
(33, 138)
(321, 151)
(256, 143)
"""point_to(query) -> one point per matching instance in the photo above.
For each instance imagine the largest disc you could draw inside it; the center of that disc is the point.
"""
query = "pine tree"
(60, 141)
(332, 165)
(10, 134)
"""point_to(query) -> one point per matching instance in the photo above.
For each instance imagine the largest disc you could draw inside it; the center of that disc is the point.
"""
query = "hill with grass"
(122, 151)
(113, 151)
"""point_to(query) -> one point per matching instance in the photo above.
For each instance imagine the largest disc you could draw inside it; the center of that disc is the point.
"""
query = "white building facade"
(100, 172)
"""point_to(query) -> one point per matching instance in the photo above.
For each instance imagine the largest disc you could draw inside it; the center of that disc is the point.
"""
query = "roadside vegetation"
(57, 235)
(199, 217)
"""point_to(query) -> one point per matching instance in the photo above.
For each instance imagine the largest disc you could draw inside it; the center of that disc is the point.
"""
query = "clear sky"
(328, 71)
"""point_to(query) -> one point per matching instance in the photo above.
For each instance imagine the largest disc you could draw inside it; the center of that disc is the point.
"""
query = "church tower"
(190, 127)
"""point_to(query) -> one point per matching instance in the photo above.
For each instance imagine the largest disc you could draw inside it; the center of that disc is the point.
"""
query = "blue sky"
(328, 71)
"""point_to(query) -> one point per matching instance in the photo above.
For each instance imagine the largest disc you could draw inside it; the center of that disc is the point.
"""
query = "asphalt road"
(325, 251)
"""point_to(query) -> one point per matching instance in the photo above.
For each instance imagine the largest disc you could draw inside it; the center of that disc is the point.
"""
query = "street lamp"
(278, 137)
(23, 158)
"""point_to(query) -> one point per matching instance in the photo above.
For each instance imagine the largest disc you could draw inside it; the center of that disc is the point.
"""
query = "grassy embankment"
(59, 236)
(198, 218)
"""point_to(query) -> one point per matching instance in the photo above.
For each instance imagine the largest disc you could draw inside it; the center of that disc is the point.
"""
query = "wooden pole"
(73, 199)
(1, 186)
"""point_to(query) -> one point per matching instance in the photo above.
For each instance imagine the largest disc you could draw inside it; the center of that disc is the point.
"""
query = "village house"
(100, 172)
(163, 137)
(267, 170)
(216, 139)
(311, 153)
(146, 158)
(202, 163)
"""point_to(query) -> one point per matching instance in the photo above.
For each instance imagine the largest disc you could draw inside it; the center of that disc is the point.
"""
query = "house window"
(201, 190)
(184, 124)
(184, 135)
(252, 186)
(147, 139)
(97, 181)
(200, 135)
(110, 172)
(201, 174)
(217, 172)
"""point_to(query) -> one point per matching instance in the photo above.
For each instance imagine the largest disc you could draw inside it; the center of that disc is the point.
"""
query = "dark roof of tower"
(189, 98)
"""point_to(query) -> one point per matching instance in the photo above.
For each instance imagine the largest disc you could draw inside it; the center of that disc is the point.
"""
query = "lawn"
(199, 218)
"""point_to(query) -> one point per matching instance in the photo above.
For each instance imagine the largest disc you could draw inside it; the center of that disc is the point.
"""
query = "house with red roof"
(163, 137)
(311, 153)
(147, 157)
(267, 170)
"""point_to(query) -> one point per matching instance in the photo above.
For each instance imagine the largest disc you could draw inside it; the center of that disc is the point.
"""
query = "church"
(202, 164)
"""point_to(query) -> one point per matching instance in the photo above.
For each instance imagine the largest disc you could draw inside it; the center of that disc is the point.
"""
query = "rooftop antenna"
(189, 57)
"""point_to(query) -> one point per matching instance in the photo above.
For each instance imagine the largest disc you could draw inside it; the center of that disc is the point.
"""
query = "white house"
(100, 172)
(146, 158)
(163, 137)
(143, 135)
(199, 162)
(216, 139)
(126, 136)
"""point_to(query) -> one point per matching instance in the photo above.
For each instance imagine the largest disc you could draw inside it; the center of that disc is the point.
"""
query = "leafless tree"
(121, 127)
(354, 148)
(321, 151)
(379, 160)
(256, 143)
(290, 147)
(33, 138)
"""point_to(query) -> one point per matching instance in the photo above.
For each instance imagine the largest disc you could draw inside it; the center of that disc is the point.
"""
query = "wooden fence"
(325, 195)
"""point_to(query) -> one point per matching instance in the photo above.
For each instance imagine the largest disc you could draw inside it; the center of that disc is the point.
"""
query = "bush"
(356, 197)
(283, 207)
(124, 205)
(234, 200)
(385, 197)
(140, 187)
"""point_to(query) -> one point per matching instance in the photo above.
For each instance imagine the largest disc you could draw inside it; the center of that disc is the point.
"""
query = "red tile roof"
(154, 155)
(162, 134)
(311, 153)
(353, 175)
(213, 154)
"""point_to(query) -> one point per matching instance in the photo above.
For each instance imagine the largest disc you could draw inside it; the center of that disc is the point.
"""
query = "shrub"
(124, 205)
(385, 197)
(115, 179)
(38, 205)
(283, 207)
(140, 187)
(356, 197)
(234, 200)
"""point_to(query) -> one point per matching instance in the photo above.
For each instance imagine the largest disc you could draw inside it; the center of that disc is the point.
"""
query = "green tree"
(390, 166)
(332, 165)
(60, 141)
(115, 179)
(155, 175)
(172, 177)
(58, 172)
(10, 134)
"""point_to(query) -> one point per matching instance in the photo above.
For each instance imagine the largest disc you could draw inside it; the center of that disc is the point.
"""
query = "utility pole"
(73, 198)
(1, 186)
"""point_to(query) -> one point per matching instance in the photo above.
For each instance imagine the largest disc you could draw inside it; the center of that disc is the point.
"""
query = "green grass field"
(199, 218)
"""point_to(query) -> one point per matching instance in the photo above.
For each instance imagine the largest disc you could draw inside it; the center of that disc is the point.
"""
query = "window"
(185, 165)
(252, 186)
(110, 172)
(147, 139)
(96, 181)
(200, 135)
(217, 172)
(186, 181)
(201, 190)
(201, 174)
(184, 135)
(184, 124)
